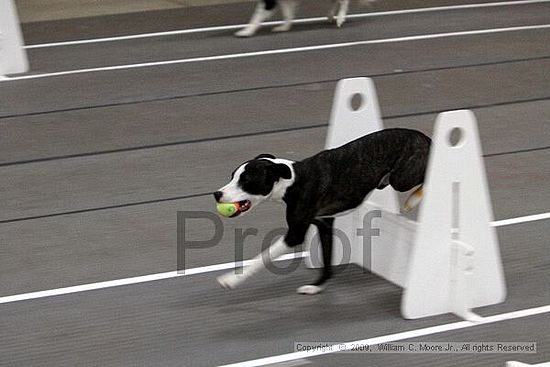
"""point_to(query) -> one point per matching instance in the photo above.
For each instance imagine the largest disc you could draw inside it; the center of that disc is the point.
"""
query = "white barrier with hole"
(448, 260)
(13, 58)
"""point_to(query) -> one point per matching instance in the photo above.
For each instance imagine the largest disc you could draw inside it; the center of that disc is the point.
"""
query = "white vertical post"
(13, 58)
(455, 259)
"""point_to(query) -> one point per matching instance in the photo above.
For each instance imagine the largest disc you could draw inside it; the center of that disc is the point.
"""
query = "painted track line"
(394, 337)
(282, 51)
(528, 218)
(303, 20)
(201, 270)
(135, 280)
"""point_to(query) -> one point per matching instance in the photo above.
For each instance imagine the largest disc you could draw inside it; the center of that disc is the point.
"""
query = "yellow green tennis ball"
(227, 209)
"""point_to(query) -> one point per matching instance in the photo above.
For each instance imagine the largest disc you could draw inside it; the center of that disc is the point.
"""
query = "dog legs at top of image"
(263, 12)
(232, 279)
(288, 7)
(332, 11)
(341, 18)
(413, 200)
(340, 7)
(266, 8)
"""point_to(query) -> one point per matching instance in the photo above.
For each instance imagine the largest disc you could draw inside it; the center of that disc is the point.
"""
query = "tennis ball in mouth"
(227, 209)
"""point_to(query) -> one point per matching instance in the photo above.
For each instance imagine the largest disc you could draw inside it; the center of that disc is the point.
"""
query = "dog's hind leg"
(332, 11)
(264, 10)
(413, 200)
(288, 7)
(342, 12)
(325, 228)
(409, 174)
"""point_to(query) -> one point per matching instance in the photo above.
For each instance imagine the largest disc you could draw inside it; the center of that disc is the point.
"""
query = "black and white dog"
(266, 8)
(327, 184)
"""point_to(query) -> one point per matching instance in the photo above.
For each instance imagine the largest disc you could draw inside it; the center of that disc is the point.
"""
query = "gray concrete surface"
(190, 321)
(472, 86)
(47, 10)
(94, 167)
(517, 330)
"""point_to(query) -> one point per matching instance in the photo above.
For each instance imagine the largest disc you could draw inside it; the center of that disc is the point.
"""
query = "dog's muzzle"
(244, 205)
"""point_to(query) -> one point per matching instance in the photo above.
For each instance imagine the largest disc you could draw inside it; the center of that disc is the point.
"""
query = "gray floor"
(94, 167)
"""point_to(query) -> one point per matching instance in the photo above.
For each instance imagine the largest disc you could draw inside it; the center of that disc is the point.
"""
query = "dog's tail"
(413, 200)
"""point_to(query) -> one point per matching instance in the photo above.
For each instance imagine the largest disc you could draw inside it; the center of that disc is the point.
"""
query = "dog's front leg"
(264, 10)
(288, 8)
(332, 11)
(298, 224)
(344, 5)
(325, 228)
(232, 279)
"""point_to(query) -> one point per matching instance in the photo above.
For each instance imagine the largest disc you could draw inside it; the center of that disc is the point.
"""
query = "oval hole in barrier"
(456, 137)
(357, 102)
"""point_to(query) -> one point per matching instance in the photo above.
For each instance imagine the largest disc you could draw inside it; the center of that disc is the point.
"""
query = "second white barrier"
(449, 260)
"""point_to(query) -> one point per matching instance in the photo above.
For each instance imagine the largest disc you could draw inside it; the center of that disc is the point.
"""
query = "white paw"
(309, 289)
(230, 280)
(285, 27)
(340, 21)
(245, 32)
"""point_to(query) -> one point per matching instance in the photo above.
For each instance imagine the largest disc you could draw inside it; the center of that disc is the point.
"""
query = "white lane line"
(201, 270)
(304, 20)
(528, 218)
(281, 51)
(394, 337)
(134, 280)
(303, 362)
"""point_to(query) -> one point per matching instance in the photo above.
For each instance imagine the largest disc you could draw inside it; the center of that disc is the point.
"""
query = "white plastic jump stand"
(13, 58)
(347, 124)
(448, 261)
(455, 243)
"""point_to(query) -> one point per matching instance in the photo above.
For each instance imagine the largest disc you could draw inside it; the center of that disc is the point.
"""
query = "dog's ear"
(281, 171)
(265, 155)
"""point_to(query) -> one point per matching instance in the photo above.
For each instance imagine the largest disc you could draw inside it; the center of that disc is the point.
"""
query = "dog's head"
(264, 177)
